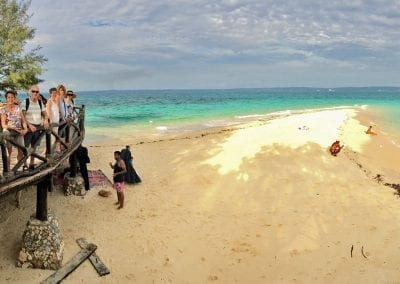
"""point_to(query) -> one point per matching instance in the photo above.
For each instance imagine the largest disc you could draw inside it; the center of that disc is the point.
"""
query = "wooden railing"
(13, 175)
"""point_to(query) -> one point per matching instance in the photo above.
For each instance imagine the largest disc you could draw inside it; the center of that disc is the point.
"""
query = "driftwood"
(97, 263)
(362, 252)
(71, 265)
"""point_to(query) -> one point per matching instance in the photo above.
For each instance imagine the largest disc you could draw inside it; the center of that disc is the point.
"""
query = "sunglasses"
(34, 92)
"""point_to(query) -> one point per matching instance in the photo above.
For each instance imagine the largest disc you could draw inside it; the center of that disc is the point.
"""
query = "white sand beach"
(263, 202)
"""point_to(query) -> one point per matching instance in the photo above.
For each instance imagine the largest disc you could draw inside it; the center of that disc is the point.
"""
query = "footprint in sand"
(244, 248)
(167, 261)
(294, 252)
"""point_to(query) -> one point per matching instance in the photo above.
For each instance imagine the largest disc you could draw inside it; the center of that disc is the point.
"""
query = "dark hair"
(44, 100)
(10, 92)
(118, 153)
(52, 90)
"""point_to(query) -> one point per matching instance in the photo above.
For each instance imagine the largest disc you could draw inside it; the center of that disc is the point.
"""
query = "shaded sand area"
(263, 203)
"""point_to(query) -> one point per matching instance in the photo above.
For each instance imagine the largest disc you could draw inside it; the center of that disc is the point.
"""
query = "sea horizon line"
(249, 88)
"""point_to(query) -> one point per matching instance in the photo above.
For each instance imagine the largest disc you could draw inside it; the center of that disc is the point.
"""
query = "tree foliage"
(19, 68)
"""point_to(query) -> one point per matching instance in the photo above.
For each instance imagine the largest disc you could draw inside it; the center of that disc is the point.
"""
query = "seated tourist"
(14, 124)
(370, 131)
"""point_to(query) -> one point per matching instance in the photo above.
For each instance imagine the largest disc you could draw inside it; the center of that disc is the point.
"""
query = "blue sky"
(102, 44)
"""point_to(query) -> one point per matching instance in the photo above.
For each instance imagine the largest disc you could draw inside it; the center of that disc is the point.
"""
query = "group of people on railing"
(23, 121)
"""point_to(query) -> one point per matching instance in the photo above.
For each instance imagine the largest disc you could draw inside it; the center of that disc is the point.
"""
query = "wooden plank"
(97, 263)
(71, 265)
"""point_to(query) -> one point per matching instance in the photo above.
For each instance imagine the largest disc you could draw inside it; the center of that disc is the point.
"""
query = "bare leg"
(121, 200)
(19, 155)
(32, 160)
(9, 150)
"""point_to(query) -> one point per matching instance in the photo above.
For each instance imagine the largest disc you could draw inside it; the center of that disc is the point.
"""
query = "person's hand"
(46, 124)
(22, 131)
(32, 128)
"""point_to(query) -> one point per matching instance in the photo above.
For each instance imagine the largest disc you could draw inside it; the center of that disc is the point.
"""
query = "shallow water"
(180, 110)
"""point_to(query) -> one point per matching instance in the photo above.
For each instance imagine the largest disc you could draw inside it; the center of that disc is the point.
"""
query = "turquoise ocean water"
(164, 110)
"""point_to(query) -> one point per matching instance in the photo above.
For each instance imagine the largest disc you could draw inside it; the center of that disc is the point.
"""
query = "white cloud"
(147, 37)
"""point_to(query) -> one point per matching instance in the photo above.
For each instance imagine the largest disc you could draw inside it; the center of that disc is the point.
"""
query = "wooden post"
(72, 165)
(51, 183)
(82, 119)
(67, 131)
(4, 158)
(41, 199)
(48, 142)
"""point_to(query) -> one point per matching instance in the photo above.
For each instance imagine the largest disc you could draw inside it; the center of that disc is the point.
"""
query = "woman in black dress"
(130, 176)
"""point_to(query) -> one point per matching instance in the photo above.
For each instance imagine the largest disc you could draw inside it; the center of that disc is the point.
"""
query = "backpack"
(27, 104)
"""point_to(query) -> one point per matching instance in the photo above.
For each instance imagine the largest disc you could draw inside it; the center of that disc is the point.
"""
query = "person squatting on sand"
(370, 131)
(118, 178)
(335, 148)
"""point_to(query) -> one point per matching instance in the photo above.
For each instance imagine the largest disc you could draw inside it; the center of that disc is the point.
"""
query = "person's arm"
(63, 109)
(123, 166)
(48, 109)
(45, 118)
(24, 123)
(3, 121)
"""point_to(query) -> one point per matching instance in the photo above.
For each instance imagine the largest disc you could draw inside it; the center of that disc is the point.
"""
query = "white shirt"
(34, 113)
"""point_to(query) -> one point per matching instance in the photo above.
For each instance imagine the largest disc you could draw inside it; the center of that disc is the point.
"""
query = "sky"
(207, 44)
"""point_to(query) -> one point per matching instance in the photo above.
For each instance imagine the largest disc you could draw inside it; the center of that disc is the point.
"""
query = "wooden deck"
(47, 160)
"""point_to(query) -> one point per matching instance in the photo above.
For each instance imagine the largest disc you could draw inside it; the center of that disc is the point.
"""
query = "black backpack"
(27, 104)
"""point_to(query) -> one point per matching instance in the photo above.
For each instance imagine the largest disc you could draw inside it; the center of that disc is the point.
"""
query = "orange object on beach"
(335, 148)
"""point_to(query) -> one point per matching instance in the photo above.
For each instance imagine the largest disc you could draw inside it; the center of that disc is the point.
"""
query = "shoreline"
(143, 132)
(255, 203)
(199, 126)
